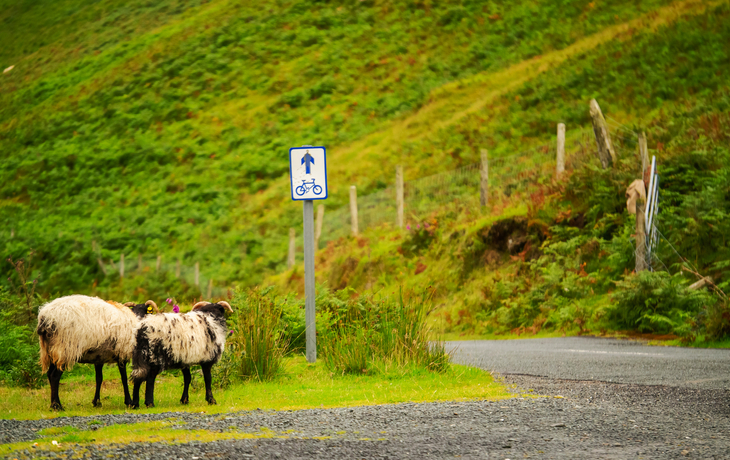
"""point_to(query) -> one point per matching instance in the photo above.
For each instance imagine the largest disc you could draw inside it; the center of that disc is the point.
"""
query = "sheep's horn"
(129, 304)
(153, 305)
(226, 305)
(200, 304)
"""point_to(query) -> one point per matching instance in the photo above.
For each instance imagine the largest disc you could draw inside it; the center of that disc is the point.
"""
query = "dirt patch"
(648, 336)
(491, 257)
(513, 235)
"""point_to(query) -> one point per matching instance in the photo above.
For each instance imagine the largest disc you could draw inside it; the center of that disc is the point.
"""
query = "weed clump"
(257, 344)
(364, 334)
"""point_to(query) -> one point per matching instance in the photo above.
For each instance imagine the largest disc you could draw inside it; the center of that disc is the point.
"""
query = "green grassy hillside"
(163, 129)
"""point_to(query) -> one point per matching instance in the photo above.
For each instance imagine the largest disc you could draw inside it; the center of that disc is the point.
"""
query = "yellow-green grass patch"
(302, 386)
(158, 431)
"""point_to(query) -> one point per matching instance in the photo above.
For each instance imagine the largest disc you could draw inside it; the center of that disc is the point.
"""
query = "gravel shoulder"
(591, 420)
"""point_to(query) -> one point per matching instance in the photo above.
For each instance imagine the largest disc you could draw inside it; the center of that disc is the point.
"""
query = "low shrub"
(227, 371)
(717, 321)
(19, 350)
(294, 324)
(19, 355)
(419, 238)
(657, 302)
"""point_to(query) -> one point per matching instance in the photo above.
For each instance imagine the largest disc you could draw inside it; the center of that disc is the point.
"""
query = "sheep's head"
(218, 309)
(142, 309)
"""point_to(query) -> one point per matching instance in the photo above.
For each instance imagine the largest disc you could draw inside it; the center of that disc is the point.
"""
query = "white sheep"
(82, 329)
(174, 341)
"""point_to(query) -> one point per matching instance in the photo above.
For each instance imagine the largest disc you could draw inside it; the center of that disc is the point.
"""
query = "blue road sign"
(308, 173)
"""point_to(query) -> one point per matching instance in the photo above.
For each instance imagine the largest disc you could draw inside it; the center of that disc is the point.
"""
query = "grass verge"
(301, 386)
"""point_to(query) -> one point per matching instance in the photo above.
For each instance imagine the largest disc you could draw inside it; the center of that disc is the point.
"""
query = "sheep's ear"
(200, 304)
(226, 305)
(151, 306)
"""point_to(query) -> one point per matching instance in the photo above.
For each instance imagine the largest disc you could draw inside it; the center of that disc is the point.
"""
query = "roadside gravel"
(591, 420)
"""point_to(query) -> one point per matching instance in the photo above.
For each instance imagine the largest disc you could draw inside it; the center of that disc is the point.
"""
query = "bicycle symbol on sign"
(307, 186)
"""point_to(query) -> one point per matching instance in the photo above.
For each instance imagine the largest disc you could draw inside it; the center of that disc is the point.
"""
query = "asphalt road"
(599, 359)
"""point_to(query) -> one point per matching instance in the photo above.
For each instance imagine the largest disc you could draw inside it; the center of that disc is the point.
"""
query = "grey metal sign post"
(308, 173)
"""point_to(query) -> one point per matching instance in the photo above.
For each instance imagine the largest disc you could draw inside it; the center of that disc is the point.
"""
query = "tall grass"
(356, 334)
(368, 332)
(256, 347)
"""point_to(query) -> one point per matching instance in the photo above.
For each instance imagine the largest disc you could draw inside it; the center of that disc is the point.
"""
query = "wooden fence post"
(318, 226)
(177, 269)
(640, 237)
(644, 153)
(159, 263)
(197, 274)
(291, 258)
(606, 153)
(700, 284)
(560, 160)
(400, 205)
(12, 233)
(353, 210)
(121, 266)
(484, 181)
(97, 251)
(101, 264)
(210, 288)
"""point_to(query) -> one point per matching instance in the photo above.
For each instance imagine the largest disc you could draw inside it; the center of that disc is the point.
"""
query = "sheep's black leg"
(122, 365)
(208, 380)
(149, 391)
(54, 379)
(186, 384)
(96, 402)
(135, 393)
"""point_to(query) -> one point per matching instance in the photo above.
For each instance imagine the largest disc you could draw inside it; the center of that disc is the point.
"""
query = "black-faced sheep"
(82, 329)
(173, 341)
